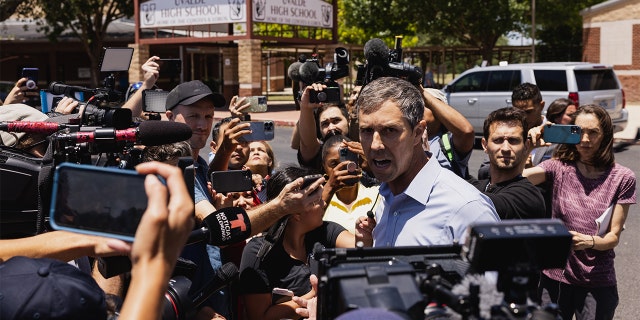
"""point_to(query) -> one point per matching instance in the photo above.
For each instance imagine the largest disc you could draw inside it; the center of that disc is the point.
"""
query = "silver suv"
(480, 90)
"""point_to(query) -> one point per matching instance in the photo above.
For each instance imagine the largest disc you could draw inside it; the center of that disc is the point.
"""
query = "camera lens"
(352, 167)
(322, 96)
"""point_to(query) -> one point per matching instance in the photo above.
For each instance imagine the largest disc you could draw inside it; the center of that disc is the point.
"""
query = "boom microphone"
(31, 127)
(58, 88)
(294, 71)
(376, 51)
(149, 133)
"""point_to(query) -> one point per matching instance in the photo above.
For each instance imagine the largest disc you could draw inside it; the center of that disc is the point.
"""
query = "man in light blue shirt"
(422, 203)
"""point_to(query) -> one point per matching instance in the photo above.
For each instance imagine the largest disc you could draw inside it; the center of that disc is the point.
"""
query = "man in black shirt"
(506, 144)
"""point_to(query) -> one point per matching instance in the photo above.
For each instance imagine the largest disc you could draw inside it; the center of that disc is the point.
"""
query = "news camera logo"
(260, 9)
(236, 9)
(148, 10)
(326, 15)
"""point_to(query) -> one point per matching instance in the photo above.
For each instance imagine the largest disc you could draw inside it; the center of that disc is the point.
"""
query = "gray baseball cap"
(190, 92)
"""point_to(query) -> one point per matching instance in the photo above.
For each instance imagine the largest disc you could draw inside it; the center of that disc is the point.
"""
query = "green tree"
(559, 29)
(86, 20)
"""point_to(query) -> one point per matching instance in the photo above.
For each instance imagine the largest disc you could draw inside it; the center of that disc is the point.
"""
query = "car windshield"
(597, 79)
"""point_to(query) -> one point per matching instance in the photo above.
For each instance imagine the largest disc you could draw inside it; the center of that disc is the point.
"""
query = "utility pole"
(533, 31)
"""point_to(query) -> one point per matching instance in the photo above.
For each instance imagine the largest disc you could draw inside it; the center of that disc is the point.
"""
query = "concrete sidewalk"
(284, 113)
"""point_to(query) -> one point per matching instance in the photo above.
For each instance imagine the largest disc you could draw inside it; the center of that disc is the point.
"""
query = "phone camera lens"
(322, 96)
(31, 84)
(351, 167)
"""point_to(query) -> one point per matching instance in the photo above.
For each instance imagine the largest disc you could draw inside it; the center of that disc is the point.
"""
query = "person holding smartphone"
(346, 197)
(20, 93)
(279, 258)
(588, 186)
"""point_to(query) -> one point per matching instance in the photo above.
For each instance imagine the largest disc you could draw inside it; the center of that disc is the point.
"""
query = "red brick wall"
(591, 45)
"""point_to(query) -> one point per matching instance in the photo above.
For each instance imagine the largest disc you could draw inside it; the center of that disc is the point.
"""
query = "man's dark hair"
(526, 91)
(506, 115)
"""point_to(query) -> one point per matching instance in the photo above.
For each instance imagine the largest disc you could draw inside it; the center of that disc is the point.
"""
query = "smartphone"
(260, 131)
(310, 179)
(279, 295)
(562, 133)
(231, 181)
(258, 104)
(32, 77)
(348, 155)
(97, 201)
(171, 67)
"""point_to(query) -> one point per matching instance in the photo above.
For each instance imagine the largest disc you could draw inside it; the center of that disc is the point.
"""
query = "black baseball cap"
(188, 93)
(48, 289)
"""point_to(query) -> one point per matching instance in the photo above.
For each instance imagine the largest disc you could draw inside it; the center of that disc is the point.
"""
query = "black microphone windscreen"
(228, 226)
(309, 72)
(57, 88)
(157, 132)
(376, 51)
(294, 71)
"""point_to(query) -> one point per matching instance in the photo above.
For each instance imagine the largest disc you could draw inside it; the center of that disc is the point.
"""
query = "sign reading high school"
(171, 13)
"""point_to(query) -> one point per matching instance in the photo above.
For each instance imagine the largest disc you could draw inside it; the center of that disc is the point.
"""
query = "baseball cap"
(48, 289)
(188, 93)
(18, 112)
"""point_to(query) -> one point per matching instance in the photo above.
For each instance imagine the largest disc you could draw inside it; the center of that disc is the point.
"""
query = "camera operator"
(20, 93)
(391, 122)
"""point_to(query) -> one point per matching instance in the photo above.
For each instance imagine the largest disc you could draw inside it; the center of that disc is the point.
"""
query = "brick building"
(611, 35)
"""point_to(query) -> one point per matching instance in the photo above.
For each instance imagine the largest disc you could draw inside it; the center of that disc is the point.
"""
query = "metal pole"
(533, 31)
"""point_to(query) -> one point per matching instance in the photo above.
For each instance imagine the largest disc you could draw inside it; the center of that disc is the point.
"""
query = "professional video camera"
(310, 71)
(418, 282)
(382, 62)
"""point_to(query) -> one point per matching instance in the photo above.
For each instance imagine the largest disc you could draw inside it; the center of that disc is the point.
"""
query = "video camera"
(310, 71)
(417, 282)
(382, 62)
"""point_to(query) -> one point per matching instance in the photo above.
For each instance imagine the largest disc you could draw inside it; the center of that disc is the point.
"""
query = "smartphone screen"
(98, 201)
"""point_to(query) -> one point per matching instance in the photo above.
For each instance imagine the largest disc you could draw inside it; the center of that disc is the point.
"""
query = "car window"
(597, 79)
(475, 81)
(503, 80)
(551, 80)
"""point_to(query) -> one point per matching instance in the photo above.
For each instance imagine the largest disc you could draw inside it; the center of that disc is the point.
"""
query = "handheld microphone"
(294, 71)
(223, 277)
(223, 227)
(149, 133)
(31, 127)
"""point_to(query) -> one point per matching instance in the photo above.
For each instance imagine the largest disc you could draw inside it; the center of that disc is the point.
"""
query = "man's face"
(332, 119)
(533, 111)
(389, 142)
(239, 156)
(505, 147)
(199, 117)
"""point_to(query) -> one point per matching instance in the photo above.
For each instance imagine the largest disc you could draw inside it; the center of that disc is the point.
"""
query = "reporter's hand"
(237, 107)
(305, 102)
(535, 134)
(308, 307)
(291, 199)
(231, 135)
(66, 105)
(151, 72)
(364, 230)
(20, 93)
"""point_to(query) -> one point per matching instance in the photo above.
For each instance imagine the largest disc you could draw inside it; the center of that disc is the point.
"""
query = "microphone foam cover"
(376, 51)
(294, 71)
(157, 132)
(309, 72)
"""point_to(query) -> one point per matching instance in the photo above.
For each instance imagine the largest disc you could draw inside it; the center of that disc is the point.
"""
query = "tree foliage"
(86, 20)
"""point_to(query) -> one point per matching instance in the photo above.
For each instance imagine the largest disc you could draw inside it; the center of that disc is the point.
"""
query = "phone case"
(560, 133)
(231, 181)
(260, 131)
(258, 104)
(66, 216)
(279, 295)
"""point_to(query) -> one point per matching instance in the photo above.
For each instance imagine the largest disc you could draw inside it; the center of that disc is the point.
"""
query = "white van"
(481, 90)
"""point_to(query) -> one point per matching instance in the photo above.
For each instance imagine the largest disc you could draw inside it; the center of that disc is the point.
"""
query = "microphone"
(376, 51)
(58, 88)
(149, 133)
(309, 72)
(294, 71)
(223, 227)
(31, 127)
